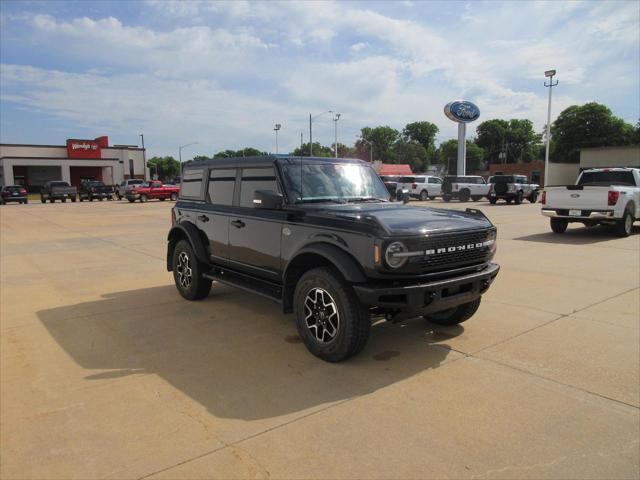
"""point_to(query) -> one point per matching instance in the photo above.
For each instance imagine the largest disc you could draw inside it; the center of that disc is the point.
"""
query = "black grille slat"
(443, 261)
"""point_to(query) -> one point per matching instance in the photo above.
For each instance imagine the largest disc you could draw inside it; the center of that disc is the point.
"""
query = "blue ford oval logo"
(461, 111)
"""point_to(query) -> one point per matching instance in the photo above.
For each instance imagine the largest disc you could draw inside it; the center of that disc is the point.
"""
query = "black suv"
(321, 237)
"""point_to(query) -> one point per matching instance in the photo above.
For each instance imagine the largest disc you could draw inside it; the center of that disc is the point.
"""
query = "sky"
(223, 73)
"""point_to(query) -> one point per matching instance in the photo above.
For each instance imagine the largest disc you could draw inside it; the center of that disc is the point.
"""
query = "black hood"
(399, 219)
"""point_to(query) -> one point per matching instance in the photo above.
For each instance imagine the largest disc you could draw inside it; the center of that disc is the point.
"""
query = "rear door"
(214, 218)
(255, 234)
(434, 186)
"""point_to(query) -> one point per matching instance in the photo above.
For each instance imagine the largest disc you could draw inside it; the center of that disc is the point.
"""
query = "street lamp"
(336, 117)
(549, 74)
(180, 151)
(370, 147)
(277, 127)
(311, 117)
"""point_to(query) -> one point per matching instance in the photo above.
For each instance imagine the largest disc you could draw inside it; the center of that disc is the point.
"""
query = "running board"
(245, 282)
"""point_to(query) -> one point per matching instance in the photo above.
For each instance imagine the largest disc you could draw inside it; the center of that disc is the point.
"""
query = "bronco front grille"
(443, 260)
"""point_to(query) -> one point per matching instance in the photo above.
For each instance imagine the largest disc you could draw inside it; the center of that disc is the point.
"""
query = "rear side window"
(256, 179)
(221, 185)
(435, 180)
(419, 179)
(191, 184)
(406, 179)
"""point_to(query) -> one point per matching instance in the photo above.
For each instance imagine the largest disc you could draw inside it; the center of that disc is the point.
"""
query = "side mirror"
(268, 200)
(404, 195)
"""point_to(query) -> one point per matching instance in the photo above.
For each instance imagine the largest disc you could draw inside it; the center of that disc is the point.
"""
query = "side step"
(242, 281)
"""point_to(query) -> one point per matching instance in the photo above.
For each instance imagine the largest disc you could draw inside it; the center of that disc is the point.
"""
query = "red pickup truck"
(147, 191)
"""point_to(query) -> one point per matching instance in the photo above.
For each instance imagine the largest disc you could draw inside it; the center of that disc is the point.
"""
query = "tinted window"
(387, 178)
(435, 180)
(406, 179)
(221, 184)
(502, 179)
(420, 179)
(135, 182)
(256, 179)
(191, 184)
(59, 184)
(610, 177)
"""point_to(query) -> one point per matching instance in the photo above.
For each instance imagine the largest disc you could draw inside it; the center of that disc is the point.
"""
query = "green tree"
(589, 125)
(448, 155)
(383, 139)
(423, 133)
(164, 167)
(199, 158)
(318, 150)
(516, 138)
(412, 153)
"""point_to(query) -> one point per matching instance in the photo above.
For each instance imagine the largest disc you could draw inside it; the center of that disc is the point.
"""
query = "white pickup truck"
(609, 196)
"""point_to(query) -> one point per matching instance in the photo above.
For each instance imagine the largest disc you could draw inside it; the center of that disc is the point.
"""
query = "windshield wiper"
(319, 200)
(366, 199)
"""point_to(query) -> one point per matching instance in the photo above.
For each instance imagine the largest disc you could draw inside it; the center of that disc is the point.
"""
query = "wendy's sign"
(86, 148)
(461, 111)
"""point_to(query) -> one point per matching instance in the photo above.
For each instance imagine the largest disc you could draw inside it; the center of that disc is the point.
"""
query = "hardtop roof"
(234, 162)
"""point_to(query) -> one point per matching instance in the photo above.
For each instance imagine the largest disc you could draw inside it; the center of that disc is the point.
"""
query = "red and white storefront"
(33, 165)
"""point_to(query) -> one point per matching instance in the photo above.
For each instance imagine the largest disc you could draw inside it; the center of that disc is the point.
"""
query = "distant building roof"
(395, 169)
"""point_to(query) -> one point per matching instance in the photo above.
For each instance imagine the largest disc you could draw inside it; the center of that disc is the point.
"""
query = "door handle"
(203, 218)
(238, 223)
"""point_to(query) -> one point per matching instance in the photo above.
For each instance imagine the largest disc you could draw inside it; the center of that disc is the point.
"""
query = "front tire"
(331, 321)
(533, 198)
(559, 225)
(518, 198)
(464, 196)
(446, 198)
(475, 198)
(454, 316)
(625, 226)
(143, 198)
(174, 197)
(187, 273)
(493, 200)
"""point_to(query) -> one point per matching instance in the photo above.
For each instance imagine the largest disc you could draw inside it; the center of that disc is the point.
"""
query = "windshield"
(332, 182)
(606, 178)
(59, 184)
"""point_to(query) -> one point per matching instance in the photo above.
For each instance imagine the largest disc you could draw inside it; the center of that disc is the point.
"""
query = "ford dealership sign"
(461, 111)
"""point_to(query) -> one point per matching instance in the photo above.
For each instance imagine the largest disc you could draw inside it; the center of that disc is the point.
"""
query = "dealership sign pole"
(462, 112)
(549, 74)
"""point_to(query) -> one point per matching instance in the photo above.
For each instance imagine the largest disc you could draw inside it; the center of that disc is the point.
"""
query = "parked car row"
(511, 188)
(91, 190)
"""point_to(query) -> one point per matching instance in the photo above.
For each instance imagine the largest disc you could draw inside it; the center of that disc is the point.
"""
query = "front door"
(255, 234)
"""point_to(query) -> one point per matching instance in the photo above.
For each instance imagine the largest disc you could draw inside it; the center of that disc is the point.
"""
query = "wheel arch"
(186, 231)
(314, 256)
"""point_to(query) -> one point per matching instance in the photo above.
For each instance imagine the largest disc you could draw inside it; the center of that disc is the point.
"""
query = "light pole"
(311, 117)
(336, 117)
(370, 148)
(277, 127)
(180, 151)
(144, 157)
(549, 74)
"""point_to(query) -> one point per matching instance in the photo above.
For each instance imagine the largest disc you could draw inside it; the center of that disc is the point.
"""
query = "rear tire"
(456, 315)
(559, 225)
(187, 273)
(464, 196)
(64, 200)
(624, 227)
(432, 198)
(42, 199)
(446, 198)
(424, 195)
(143, 198)
(73, 199)
(475, 198)
(518, 198)
(162, 199)
(330, 320)
(493, 200)
(174, 197)
(131, 200)
(533, 198)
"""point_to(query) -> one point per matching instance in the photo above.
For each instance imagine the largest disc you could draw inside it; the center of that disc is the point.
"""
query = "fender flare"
(341, 260)
(189, 231)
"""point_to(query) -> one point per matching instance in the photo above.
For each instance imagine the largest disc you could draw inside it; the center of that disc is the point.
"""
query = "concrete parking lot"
(107, 372)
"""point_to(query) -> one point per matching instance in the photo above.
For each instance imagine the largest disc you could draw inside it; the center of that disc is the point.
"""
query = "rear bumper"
(584, 214)
(429, 297)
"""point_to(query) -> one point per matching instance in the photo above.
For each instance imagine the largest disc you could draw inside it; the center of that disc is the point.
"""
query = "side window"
(221, 184)
(256, 179)
(191, 184)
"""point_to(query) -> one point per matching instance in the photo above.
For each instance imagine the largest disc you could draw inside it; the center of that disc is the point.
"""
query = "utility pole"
(277, 127)
(549, 74)
(310, 137)
(301, 142)
(144, 157)
(335, 144)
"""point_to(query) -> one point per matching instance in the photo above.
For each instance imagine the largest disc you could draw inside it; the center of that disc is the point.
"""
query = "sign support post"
(461, 112)
(462, 149)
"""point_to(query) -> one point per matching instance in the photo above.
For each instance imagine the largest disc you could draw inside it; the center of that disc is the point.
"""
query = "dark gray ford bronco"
(321, 237)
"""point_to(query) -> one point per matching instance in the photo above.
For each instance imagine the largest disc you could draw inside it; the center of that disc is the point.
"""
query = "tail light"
(23, 191)
(544, 198)
(612, 198)
(490, 187)
(414, 186)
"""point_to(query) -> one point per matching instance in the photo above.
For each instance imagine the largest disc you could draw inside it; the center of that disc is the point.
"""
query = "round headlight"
(393, 255)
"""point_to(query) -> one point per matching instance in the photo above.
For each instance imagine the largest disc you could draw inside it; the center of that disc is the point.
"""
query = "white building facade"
(33, 165)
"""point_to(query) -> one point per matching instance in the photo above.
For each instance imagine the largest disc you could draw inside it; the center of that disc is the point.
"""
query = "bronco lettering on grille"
(458, 248)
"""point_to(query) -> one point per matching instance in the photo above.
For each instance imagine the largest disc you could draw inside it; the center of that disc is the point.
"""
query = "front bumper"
(429, 297)
(584, 214)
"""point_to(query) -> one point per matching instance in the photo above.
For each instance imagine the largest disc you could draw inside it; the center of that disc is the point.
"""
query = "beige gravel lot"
(107, 372)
